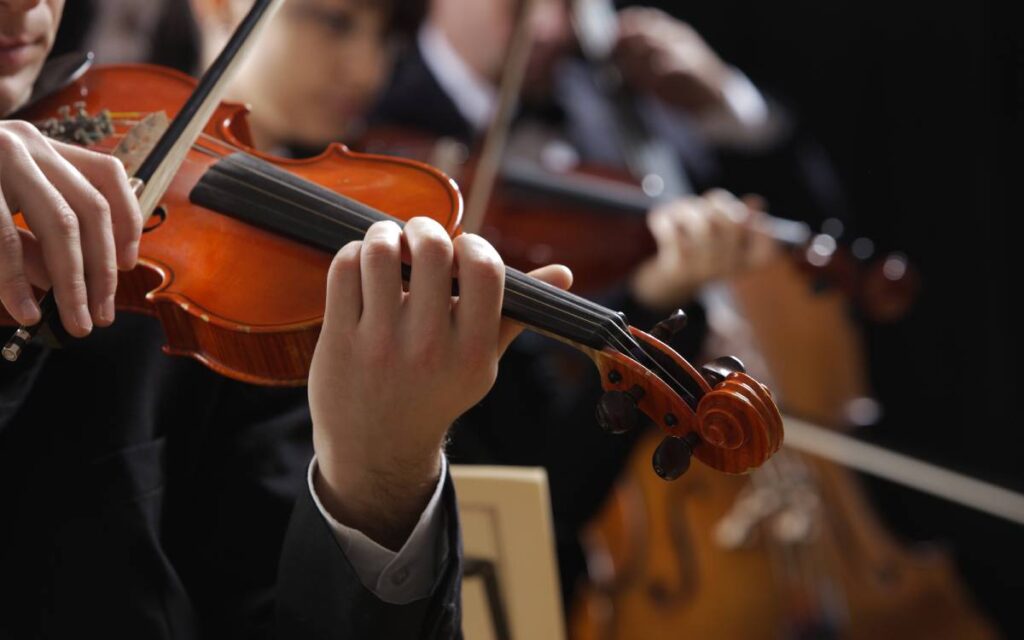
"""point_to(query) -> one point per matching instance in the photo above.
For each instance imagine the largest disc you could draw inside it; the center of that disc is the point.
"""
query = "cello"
(797, 545)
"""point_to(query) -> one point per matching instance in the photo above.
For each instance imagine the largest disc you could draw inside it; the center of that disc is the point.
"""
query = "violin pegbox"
(720, 415)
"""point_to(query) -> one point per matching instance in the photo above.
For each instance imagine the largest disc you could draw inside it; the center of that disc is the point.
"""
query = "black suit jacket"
(413, 98)
(142, 496)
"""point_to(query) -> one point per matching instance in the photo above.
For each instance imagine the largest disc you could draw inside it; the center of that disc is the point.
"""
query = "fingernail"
(83, 319)
(107, 310)
(30, 311)
(132, 253)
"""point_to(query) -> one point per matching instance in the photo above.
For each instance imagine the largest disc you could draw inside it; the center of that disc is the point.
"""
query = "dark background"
(919, 109)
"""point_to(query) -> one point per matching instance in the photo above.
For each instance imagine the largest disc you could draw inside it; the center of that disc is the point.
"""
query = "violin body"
(240, 282)
(246, 302)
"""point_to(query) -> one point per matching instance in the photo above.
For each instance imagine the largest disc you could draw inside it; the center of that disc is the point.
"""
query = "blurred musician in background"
(726, 132)
(316, 73)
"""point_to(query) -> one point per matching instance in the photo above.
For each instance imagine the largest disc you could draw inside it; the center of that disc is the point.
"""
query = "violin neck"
(607, 195)
(258, 193)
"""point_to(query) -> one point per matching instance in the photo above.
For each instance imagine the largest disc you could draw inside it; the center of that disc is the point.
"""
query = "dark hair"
(176, 38)
(406, 15)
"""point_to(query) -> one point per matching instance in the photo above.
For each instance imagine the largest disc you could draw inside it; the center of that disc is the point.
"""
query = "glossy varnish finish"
(737, 422)
(246, 302)
(249, 303)
(659, 571)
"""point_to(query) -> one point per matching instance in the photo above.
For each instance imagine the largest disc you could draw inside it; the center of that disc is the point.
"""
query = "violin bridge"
(139, 141)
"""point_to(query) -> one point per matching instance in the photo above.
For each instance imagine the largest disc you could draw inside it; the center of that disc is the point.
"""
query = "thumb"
(557, 276)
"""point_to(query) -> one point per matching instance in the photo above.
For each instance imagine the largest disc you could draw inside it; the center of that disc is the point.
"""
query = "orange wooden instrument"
(795, 546)
(235, 257)
(593, 220)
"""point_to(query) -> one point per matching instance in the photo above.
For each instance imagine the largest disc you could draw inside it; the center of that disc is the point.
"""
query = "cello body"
(792, 551)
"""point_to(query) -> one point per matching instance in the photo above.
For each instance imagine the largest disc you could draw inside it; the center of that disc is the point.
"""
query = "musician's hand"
(392, 370)
(667, 58)
(84, 225)
(700, 239)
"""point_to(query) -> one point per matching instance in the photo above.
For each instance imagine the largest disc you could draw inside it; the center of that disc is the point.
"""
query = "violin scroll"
(739, 425)
(721, 415)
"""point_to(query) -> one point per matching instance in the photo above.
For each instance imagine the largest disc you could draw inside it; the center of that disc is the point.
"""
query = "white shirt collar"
(473, 96)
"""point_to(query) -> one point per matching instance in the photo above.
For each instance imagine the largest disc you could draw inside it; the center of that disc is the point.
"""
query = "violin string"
(801, 570)
(781, 561)
(832, 602)
(613, 336)
(584, 322)
(367, 219)
(593, 306)
(606, 325)
(552, 290)
(618, 337)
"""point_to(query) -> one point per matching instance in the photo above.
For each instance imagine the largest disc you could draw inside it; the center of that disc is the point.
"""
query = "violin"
(235, 253)
(593, 220)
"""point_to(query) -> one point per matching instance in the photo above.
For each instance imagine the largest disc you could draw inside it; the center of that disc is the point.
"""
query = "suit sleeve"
(320, 596)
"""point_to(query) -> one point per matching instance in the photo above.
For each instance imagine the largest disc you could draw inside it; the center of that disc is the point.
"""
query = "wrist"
(384, 501)
(649, 288)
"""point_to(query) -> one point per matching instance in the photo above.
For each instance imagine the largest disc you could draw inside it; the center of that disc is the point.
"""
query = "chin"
(13, 93)
(325, 133)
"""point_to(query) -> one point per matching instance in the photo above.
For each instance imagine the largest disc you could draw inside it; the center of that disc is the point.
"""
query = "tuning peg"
(672, 457)
(670, 326)
(719, 369)
(617, 411)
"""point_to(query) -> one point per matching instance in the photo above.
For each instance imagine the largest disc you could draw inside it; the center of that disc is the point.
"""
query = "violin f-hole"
(156, 219)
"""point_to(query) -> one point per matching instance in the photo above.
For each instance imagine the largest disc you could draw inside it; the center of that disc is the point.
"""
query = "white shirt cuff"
(396, 577)
(746, 120)
(474, 97)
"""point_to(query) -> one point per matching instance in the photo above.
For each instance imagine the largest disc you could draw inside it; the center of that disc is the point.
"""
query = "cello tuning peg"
(672, 457)
(617, 411)
(719, 369)
(670, 326)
